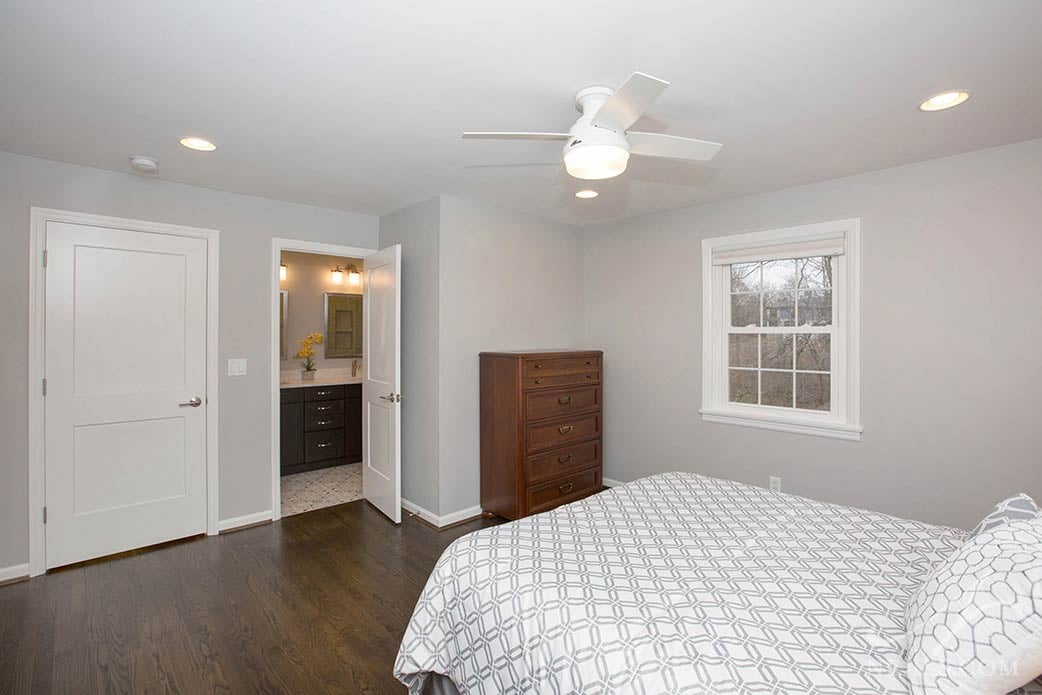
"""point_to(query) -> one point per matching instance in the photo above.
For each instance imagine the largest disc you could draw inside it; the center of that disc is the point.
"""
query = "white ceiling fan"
(599, 144)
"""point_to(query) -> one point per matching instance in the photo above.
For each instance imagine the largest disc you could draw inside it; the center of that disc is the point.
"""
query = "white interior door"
(381, 396)
(125, 363)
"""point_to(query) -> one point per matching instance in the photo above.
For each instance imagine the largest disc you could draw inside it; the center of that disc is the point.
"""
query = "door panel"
(125, 465)
(381, 390)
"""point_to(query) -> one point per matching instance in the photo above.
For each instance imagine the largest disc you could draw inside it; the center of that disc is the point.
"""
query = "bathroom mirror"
(343, 325)
(283, 318)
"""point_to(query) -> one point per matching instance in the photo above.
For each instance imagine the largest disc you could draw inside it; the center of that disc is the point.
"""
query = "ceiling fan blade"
(516, 136)
(659, 145)
(629, 102)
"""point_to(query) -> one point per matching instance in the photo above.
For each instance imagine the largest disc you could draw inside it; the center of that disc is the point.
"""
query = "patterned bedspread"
(676, 583)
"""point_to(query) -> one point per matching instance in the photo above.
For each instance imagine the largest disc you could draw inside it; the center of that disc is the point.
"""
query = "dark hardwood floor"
(315, 603)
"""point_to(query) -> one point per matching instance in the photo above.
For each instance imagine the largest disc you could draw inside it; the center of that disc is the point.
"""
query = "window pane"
(812, 351)
(745, 277)
(779, 309)
(815, 307)
(779, 275)
(777, 351)
(814, 272)
(745, 310)
(812, 391)
(777, 389)
(742, 350)
(742, 386)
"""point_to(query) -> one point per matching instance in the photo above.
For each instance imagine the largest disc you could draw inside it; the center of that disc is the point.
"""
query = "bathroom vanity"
(321, 425)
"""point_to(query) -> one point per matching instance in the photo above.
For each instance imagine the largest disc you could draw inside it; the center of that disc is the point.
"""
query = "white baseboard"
(440, 521)
(245, 520)
(610, 482)
(14, 572)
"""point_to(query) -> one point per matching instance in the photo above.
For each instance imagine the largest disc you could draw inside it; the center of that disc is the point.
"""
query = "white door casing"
(381, 390)
(126, 345)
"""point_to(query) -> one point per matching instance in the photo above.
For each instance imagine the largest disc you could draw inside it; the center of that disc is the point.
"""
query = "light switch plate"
(237, 366)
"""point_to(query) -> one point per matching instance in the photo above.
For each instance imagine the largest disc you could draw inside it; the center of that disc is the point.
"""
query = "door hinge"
(45, 515)
(45, 386)
(45, 258)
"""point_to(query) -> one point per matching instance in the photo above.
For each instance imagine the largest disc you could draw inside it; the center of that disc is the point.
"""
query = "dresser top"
(541, 353)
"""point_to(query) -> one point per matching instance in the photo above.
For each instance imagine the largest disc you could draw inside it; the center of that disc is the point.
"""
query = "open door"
(381, 397)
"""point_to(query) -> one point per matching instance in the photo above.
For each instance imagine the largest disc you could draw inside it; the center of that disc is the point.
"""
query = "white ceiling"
(359, 105)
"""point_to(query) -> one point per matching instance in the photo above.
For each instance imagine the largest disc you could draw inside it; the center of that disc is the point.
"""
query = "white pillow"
(975, 625)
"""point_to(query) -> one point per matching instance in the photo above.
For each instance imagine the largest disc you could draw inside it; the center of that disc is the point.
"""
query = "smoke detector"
(144, 165)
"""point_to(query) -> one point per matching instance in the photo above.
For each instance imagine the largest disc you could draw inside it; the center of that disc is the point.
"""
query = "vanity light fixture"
(198, 144)
(338, 275)
(354, 278)
(587, 194)
(944, 100)
(282, 272)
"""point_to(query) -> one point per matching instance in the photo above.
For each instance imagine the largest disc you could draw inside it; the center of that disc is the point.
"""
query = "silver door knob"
(388, 398)
(193, 403)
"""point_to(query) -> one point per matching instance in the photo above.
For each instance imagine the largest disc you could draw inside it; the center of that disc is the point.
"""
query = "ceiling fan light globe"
(596, 162)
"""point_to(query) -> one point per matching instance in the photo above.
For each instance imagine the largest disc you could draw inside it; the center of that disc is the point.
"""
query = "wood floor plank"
(315, 603)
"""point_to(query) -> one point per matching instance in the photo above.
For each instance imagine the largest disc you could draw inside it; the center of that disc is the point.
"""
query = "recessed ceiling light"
(200, 144)
(585, 195)
(944, 100)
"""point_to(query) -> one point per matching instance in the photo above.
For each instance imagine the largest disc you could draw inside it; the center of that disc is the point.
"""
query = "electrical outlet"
(237, 367)
(775, 484)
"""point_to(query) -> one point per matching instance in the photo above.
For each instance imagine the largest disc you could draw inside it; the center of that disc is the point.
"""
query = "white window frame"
(844, 420)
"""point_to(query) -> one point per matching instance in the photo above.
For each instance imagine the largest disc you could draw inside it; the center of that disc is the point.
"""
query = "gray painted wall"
(246, 224)
(951, 328)
(509, 281)
(417, 229)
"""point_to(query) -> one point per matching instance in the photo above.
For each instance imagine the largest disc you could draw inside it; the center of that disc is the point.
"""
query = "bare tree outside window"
(788, 365)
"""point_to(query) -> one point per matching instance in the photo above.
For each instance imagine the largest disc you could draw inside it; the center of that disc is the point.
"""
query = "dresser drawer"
(323, 393)
(535, 366)
(291, 395)
(543, 404)
(324, 421)
(318, 408)
(549, 380)
(547, 435)
(323, 445)
(562, 461)
(568, 489)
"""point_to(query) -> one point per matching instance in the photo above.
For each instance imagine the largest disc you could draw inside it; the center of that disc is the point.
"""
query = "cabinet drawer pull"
(324, 422)
(538, 381)
(566, 488)
(564, 400)
(539, 366)
(323, 407)
(564, 458)
(589, 362)
(323, 445)
(326, 393)
(566, 429)
(589, 376)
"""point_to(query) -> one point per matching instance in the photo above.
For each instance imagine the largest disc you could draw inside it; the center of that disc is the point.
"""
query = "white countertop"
(323, 377)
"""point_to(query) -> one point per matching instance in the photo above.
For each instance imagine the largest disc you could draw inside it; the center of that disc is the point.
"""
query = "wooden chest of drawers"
(541, 426)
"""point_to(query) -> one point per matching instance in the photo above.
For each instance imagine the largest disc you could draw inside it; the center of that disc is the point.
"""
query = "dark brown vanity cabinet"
(321, 426)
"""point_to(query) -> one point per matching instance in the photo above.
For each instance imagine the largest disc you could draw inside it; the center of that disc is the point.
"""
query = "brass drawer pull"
(324, 422)
(589, 362)
(538, 381)
(323, 445)
(564, 458)
(539, 366)
(565, 429)
(589, 376)
(566, 488)
(564, 400)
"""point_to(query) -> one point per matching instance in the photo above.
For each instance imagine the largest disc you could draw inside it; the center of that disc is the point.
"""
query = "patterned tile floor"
(303, 492)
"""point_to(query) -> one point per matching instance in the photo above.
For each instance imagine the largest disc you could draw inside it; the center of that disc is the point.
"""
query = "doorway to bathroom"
(329, 338)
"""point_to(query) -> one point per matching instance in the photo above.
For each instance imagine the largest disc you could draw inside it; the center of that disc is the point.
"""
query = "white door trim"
(278, 245)
(38, 219)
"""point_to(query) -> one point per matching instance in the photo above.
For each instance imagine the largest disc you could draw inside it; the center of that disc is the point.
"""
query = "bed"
(676, 583)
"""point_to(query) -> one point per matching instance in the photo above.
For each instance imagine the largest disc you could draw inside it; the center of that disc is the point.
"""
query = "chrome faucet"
(355, 364)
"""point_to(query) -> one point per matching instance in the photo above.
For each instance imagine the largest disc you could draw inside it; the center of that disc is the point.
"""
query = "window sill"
(831, 430)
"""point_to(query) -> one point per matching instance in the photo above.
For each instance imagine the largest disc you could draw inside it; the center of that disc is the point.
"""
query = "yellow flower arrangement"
(307, 350)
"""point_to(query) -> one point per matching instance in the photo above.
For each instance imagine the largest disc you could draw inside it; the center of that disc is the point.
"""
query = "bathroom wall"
(308, 277)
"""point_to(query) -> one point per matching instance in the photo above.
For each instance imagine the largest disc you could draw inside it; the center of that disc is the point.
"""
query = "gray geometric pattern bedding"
(676, 583)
